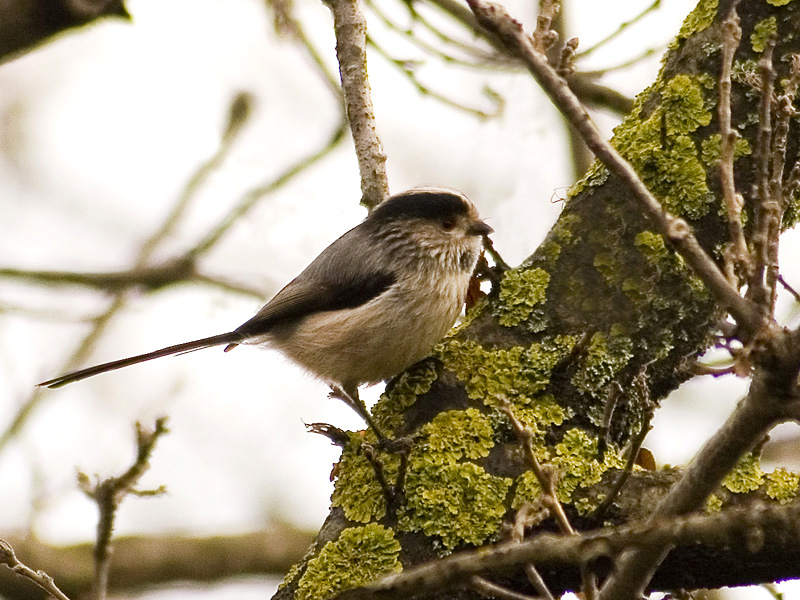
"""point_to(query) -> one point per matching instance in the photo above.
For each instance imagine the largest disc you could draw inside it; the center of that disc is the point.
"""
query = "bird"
(372, 304)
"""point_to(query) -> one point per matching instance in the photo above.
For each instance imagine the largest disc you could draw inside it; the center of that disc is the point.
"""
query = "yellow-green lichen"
(360, 555)
(700, 18)
(607, 265)
(549, 251)
(747, 476)
(521, 291)
(528, 490)
(459, 503)
(596, 174)
(683, 105)
(713, 504)
(762, 32)
(540, 412)
(456, 434)
(576, 463)
(519, 373)
(711, 149)
(669, 164)
(293, 572)
(564, 229)
(390, 408)
(356, 490)
(792, 214)
(652, 246)
(606, 355)
(782, 485)
(778, 2)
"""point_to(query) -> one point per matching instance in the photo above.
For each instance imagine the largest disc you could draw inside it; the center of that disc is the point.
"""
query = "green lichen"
(528, 490)
(521, 291)
(356, 490)
(670, 165)
(711, 149)
(762, 32)
(792, 214)
(652, 246)
(782, 485)
(606, 355)
(456, 434)
(390, 408)
(746, 477)
(459, 503)
(699, 19)
(577, 464)
(549, 251)
(607, 265)
(541, 412)
(713, 504)
(682, 180)
(294, 571)
(596, 174)
(360, 555)
(519, 373)
(683, 104)
(564, 229)
(778, 2)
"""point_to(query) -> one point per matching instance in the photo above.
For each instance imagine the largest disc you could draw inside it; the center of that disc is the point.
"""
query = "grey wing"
(344, 276)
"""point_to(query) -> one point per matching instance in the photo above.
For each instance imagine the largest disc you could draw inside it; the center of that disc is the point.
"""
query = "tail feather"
(230, 338)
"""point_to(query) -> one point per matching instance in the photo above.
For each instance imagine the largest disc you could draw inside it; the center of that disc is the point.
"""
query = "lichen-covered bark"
(603, 312)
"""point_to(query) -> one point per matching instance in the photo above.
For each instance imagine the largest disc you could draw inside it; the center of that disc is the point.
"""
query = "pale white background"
(99, 132)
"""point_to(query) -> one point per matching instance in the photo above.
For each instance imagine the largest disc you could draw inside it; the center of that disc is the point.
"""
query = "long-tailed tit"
(371, 304)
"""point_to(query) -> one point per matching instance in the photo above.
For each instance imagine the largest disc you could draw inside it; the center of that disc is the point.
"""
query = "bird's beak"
(479, 228)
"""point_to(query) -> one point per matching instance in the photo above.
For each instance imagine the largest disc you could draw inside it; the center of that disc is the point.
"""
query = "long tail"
(231, 338)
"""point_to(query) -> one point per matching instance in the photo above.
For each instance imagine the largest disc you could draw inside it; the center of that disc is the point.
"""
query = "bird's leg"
(351, 398)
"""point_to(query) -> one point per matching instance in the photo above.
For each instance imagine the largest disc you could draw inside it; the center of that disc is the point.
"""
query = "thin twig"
(480, 58)
(425, 90)
(619, 30)
(771, 400)
(789, 288)
(109, 493)
(350, 28)
(715, 529)
(252, 197)
(545, 477)
(758, 291)
(40, 578)
(736, 256)
(674, 229)
(492, 590)
(537, 582)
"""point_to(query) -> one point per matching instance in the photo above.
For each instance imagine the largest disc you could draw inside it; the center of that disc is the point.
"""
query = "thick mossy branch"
(583, 340)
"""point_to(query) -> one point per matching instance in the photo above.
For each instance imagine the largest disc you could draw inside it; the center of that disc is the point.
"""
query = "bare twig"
(425, 90)
(545, 476)
(350, 28)
(109, 493)
(619, 30)
(773, 398)
(758, 289)
(236, 117)
(537, 582)
(736, 257)
(721, 528)
(674, 229)
(789, 288)
(40, 578)
(492, 590)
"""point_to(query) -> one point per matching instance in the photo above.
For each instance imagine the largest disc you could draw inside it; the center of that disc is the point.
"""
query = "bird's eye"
(448, 224)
